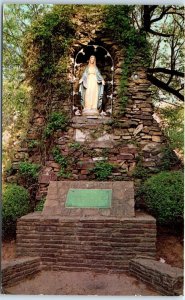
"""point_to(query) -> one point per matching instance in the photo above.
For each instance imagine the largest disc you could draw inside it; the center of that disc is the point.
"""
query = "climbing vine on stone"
(118, 21)
(45, 48)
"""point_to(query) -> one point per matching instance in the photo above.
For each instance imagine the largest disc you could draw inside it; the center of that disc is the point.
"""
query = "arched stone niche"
(109, 58)
(105, 64)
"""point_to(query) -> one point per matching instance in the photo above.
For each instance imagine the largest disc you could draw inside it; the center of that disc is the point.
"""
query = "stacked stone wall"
(120, 139)
(19, 269)
(162, 277)
(93, 244)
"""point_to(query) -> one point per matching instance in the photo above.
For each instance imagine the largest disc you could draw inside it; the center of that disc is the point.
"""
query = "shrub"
(173, 118)
(140, 172)
(33, 144)
(64, 173)
(76, 146)
(169, 158)
(59, 158)
(102, 170)
(40, 205)
(15, 204)
(163, 194)
(29, 169)
(56, 121)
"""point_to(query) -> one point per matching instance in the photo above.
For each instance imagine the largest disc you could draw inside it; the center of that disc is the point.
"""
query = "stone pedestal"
(90, 112)
(78, 239)
(122, 204)
(98, 243)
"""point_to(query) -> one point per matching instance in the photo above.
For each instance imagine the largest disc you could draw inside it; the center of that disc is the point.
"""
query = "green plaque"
(89, 198)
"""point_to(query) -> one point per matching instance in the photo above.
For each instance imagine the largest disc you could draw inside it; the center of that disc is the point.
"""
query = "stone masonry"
(19, 269)
(122, 199)
(101, 239)
(161, 276)
(120, 139)
(97, 243)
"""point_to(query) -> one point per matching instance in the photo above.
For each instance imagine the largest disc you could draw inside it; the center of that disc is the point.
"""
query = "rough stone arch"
(113, 52)
(106, 65)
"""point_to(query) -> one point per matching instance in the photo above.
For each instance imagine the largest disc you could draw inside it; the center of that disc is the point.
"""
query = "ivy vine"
(118, 20)
(45, 47)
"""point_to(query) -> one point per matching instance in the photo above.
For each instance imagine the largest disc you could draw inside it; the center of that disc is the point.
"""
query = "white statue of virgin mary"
(91, 88)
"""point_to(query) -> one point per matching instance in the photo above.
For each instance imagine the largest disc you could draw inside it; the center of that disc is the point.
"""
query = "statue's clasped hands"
(103, 82)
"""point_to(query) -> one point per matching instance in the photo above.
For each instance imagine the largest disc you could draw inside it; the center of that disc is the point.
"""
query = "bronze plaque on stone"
(89, 198)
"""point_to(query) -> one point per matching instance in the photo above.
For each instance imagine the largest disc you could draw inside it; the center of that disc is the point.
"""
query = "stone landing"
(122, 204)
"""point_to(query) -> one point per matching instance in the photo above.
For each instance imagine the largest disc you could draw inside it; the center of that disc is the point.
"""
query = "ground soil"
(8, 250)
(81, 283)
(170, 247)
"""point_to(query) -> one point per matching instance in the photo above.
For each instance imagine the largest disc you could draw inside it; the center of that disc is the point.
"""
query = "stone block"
(156, 132)
(53, 164)
(99, 158)
(162, 277)
(124, 156)
(82, 177)
(81, 136)
(84, 172)
(44, 179)
(147, 109)
(145, 129)
(149, 163)
(138, 129)
(105, 137)
(126, 137)
(102, 144)
(12, 179)
(52, 176)
(146, 137)
(152, 147)
(156, 138)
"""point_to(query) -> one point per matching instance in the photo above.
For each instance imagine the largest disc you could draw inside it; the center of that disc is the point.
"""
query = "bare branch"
(166, 71)
(156, 51)
(165, 87)
(159, 33)
(162, 15)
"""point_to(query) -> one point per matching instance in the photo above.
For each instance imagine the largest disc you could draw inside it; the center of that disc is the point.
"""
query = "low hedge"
(15, 204)
(164, 196)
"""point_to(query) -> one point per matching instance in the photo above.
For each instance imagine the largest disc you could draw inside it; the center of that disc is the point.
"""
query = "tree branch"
(162, 15)
(166, 71)
(135, 19)
(156, 51)
(181, 88)
(175, 13)
(165, 87)
(147, 20)
(159, 33)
